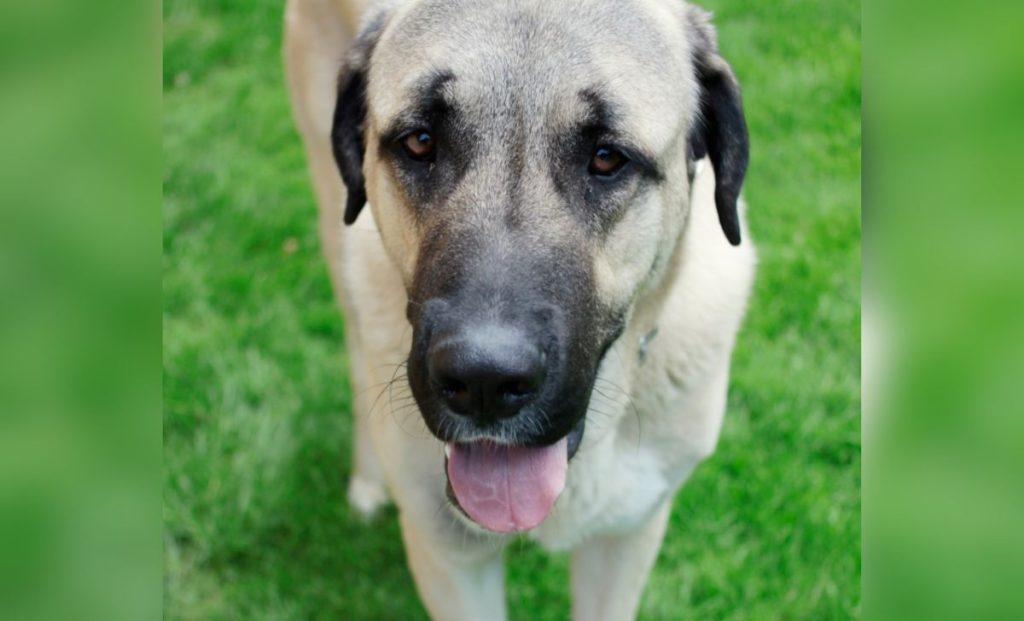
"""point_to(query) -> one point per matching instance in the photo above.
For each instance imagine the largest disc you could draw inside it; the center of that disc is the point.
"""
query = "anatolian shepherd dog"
(544, 271)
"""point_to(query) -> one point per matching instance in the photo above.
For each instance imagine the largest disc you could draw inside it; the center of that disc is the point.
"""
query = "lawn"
(256, 404)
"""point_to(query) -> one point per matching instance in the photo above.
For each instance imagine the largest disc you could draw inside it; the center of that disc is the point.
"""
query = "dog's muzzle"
(487, 386)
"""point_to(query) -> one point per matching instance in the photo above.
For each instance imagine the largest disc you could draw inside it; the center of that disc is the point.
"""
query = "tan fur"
(667, 257)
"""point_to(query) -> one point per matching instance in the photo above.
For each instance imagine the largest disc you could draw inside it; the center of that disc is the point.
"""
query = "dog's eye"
(419, 145)
(606, 161)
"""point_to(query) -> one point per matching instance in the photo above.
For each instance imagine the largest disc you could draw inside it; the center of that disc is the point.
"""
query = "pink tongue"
(507, 488)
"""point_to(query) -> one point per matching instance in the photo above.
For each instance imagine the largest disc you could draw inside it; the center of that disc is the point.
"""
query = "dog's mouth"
(508, 488)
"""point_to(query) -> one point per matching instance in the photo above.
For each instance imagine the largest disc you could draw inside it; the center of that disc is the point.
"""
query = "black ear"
(721, 129)
(347, 138)
(348, 130)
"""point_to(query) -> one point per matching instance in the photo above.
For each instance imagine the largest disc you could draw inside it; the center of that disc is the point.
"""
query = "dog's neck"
(643, 324)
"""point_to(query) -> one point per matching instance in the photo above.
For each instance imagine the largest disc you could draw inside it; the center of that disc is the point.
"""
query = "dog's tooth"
(447, 449)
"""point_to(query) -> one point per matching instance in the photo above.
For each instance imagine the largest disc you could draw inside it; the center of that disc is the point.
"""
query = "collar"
(645, 342)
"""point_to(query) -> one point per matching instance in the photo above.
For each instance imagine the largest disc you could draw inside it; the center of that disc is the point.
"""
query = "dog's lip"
(574, 438)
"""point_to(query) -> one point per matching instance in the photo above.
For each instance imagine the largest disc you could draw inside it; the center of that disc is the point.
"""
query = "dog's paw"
(366, 497)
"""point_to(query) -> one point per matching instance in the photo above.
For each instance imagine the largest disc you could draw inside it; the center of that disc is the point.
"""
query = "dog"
(532, 218)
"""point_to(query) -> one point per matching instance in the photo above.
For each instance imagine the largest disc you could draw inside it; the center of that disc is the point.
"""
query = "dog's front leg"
(609, 573)
(458, 580)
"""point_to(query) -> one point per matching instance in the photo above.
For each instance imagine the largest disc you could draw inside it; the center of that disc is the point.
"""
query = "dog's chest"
(638, 450)
(617, 483)
(612, 500)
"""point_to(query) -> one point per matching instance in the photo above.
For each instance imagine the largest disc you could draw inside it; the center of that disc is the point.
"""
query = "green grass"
(257, 430)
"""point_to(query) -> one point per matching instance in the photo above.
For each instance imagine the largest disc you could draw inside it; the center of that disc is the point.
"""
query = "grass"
(256, 427)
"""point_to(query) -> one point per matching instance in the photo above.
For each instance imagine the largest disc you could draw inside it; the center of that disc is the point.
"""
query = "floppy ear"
(721, 129)
(348, 140)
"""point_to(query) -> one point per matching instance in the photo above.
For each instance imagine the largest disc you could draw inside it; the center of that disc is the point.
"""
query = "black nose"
(486, 372)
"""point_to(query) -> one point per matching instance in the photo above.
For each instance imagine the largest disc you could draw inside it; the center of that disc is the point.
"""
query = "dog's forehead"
(545, 59)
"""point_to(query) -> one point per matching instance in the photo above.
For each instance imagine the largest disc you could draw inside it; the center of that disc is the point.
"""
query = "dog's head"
(528, 165)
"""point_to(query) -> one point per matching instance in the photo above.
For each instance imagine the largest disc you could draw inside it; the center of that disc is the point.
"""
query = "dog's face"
(528, 166)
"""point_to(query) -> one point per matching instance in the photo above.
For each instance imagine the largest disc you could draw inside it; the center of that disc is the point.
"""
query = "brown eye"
(606, 161)
(419, 145)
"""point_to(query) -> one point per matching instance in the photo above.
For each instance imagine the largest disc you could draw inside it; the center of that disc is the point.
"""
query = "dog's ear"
(348, 138)
(721, 129)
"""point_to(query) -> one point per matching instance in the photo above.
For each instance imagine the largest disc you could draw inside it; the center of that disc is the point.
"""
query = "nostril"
(453, 389)
(516, 389)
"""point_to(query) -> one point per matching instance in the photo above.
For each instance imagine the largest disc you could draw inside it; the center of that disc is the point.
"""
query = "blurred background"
(193, 467)
(79, 309)
(943, 309)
